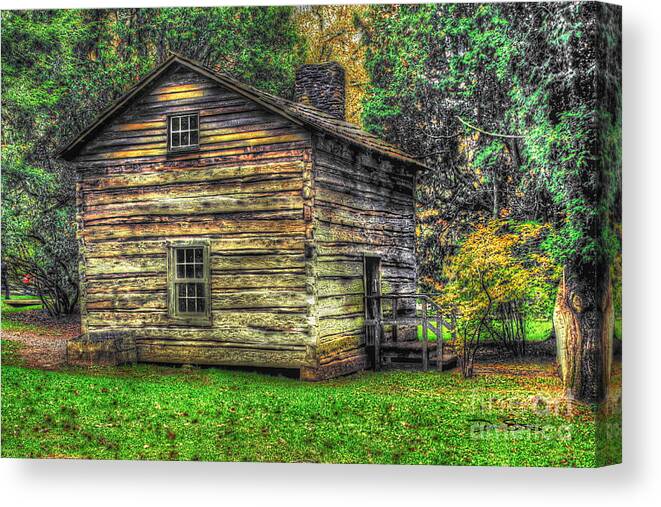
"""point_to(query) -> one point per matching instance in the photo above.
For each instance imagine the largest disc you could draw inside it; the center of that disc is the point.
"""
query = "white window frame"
(172, 131)
(192, 318)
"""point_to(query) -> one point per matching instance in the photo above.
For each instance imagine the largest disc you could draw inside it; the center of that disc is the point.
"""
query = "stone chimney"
(322, 86)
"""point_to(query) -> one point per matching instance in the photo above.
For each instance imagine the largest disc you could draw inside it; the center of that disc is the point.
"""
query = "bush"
(39, 249)
(498, 278)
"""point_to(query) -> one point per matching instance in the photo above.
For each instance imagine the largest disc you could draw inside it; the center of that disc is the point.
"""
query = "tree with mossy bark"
(586, 190)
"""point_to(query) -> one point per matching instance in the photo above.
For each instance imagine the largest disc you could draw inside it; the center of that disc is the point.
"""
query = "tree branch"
(486, 132)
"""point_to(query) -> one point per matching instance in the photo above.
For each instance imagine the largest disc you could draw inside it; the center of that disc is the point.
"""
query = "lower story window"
(188, 275)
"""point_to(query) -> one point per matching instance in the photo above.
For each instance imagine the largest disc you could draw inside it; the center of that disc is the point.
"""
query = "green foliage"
(159, 413)
(499, 263)
(6, 312)
(538, 330)
(257, 44)
(525, 75)
(431, 65)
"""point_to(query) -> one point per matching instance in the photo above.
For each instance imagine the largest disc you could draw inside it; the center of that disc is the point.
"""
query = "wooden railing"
(397, 310)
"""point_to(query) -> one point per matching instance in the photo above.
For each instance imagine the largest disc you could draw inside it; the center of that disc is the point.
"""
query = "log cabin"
(222, 225)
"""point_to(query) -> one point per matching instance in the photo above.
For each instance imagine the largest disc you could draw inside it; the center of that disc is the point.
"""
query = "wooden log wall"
(243, 190)
(363, 205)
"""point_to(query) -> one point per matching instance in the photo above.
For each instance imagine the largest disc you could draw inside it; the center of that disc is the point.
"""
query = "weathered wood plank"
(136, 283)
(345, 234)
(242, 300)
(334, 306)
(194, 353)
(220, 319)
(339, 268)
(367, 221)
(265, 187)
(196, 206)
(248, 337)
(329, 326)
(177, 229)
(248, 243)
(146, 177)
(339, 287)
(219, 263)
(160, 149)
(276, 150)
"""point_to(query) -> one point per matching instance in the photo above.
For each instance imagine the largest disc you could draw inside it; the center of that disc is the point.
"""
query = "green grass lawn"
(536, 330)
(618, 328)
(14, 309)
(159, 413)
(6, 322)
(11, 325)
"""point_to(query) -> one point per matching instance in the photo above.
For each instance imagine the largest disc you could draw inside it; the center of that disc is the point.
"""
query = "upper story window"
(184, 131)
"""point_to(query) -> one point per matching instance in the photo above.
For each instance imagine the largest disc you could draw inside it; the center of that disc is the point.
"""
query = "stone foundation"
(336, 368)
(109, 349)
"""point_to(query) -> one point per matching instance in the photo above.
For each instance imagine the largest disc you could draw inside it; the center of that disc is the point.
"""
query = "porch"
(391, 332)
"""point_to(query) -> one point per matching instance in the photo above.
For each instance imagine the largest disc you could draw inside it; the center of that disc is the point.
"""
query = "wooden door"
(372, 283)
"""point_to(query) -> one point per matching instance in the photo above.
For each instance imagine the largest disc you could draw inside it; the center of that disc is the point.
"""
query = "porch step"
(410, 353)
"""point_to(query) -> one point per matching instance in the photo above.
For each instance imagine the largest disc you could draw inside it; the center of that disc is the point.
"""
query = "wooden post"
(394, 318)
(439, 341)
(425, 358)
(377, 345)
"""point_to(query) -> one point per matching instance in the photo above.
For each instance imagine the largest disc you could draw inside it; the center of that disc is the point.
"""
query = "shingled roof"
(301, 114)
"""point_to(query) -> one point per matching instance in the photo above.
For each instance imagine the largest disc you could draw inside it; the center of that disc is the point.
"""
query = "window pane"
(180, 256)
(190, 271)
(184, 123)
(175, 124)
(198, 271)
(198, 255)
(181, 297)
(193, 137)
(191, 298)
(201, 305)
(190, 255)
(176, 140)
(193, 122)
(185, 139)
(181, 271)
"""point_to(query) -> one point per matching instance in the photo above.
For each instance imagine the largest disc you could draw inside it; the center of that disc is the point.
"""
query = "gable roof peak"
(298, 113)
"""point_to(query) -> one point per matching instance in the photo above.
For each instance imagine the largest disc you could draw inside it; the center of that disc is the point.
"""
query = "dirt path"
(525, 367)
(42, 338)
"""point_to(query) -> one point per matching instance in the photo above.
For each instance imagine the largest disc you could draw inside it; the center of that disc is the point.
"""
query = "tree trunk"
(583, 319)
(5, 282)
(496, 205)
